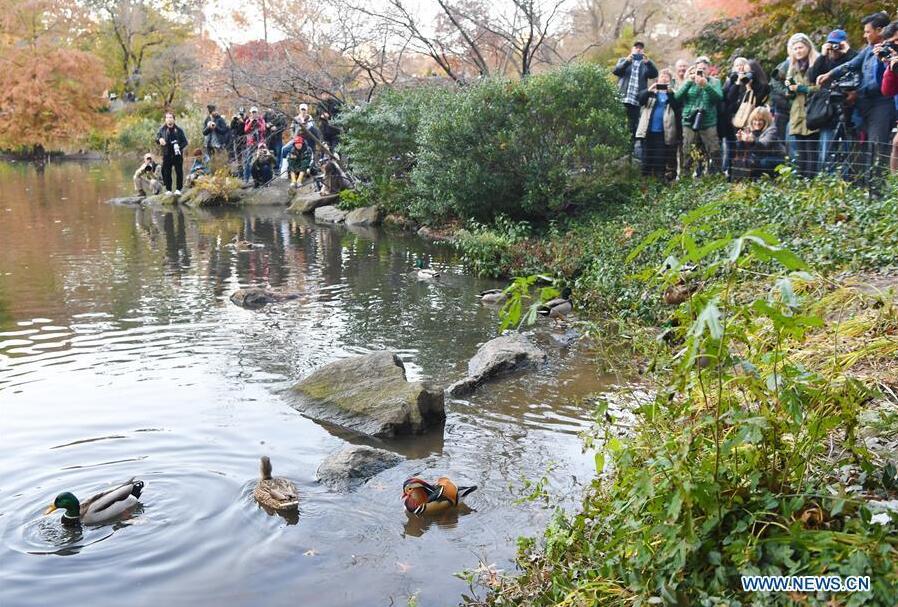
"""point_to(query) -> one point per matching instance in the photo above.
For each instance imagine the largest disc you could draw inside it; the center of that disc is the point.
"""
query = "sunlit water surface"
(120, 356)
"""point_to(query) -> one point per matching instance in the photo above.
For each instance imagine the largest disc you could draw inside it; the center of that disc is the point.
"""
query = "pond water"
(121, 356)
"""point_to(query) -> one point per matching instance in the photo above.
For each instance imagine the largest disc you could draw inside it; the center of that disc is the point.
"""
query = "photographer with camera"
(146, 177)
(877, 110)
(658, 128)
(633, 73)
(173, 141)
(699, 96)
(795, 85)
(890, 82)
(216, 133)
(834, 52)
(759, 148)
(238, 138)
(746, 88)
(255, 129)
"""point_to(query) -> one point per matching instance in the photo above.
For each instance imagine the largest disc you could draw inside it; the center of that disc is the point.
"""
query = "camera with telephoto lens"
(746, 77)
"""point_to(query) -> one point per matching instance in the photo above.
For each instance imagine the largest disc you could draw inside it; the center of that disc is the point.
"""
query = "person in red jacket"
(255, 129)
(890, 86)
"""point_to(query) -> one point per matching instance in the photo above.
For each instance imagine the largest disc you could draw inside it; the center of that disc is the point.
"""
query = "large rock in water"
(307, 203)
(370, 395)
(498, 357)
(330, 214)
(364, 216)
(348, 468)
(161, 199)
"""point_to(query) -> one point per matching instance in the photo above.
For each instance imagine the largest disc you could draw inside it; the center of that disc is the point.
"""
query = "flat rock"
(307, 203)
(126, 200)
(497, 357)
(162, 199)
(364, 216)
(276, 192)
(348, 468)
(370, 395)
(330, 214)
(257, 297)
(400, 222)
(431, 234)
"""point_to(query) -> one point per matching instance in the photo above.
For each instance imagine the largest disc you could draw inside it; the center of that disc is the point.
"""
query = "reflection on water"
(120, 356)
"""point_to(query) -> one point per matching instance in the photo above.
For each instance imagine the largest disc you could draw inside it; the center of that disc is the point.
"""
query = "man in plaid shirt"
(633, 73)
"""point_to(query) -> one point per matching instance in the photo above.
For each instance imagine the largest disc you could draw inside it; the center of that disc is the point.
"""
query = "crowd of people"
(253, 146)
(832, 110)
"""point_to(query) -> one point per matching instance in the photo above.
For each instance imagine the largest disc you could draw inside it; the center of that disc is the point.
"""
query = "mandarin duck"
(421, 497)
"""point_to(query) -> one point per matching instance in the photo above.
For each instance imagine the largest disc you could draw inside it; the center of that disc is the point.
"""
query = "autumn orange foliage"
(50, 92)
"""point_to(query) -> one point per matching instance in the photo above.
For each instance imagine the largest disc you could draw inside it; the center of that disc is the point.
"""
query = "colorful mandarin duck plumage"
(421, 497)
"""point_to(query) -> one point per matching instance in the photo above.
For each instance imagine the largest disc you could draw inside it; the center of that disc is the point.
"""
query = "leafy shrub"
(135, 131)
(490, 250)
(528, 149)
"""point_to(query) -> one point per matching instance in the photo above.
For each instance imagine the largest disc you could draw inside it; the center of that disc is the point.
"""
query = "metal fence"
(863, 163)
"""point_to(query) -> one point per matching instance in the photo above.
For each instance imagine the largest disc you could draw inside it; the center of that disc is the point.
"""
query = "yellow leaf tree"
(51, 92)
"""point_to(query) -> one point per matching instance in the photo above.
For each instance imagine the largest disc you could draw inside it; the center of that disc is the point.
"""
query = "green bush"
(381, 141)
(529, 150)
(135, 131)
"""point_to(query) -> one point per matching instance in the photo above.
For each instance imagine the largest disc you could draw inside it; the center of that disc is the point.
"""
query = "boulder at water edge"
(370, 395)
(257, 297)
(276, 192)
(348, 468)
(126, 200)
(330, 214)
(364, 216)
(498, 357)
(161, 199)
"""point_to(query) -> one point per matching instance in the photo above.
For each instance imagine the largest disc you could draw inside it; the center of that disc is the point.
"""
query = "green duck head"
(419, 263)
(67, 502)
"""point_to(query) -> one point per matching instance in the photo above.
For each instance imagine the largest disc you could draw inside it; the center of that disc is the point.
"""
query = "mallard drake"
(558, 307)
(493, 296)
(422, 273)
(276, 493)
(98, 508)
(421, 497)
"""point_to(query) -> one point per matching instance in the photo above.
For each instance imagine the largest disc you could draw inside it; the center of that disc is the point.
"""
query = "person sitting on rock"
(299, 160)
(146, 177)
(263, 166)
(198, 169)
(334, 180)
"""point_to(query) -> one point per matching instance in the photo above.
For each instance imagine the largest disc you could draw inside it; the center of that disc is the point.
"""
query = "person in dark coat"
(747, 75)
(759, 148)
(834, 52)
(216, 133)
(633, 73)
(173, 141)
(238, 139)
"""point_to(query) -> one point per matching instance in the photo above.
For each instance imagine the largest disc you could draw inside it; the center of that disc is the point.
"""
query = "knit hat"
(837, 37)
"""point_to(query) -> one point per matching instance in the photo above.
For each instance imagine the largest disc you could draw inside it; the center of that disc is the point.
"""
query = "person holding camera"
(146, 177)
(216, 133)
(746, 88)
(173, 141)
(238, 138)
(795, 86)
(658, 127)
(834, 52)
(263, 166)
(633, 73)
(890, 83)
(255, 129)
(759, 148)
(699, 96)
(877, 110)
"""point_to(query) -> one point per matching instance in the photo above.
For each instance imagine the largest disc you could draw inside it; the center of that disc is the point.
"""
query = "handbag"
(821, 111)
(743, 114)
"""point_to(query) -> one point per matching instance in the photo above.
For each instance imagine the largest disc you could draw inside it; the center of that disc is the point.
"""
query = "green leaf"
(708, 319)
(600, 462)
(646, 243)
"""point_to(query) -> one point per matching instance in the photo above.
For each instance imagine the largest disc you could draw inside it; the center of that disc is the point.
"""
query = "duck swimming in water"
(421, 497)
(493, 296)
(276, 493)
(98, 508)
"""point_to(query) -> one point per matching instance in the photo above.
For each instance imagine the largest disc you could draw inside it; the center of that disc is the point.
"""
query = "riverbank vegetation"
(757, 453)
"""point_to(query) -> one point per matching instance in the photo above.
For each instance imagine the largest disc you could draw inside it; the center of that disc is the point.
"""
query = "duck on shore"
(98, 508)
(559, 307)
